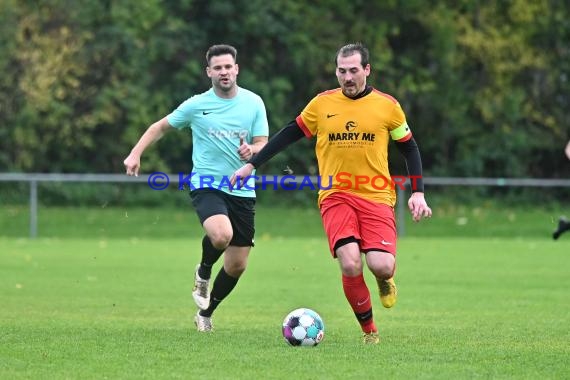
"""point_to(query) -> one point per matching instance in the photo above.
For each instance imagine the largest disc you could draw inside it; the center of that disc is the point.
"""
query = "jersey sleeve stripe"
(303, 127)
(385, 95)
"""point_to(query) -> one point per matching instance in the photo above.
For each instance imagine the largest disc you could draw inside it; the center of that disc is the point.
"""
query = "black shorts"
(240, 211)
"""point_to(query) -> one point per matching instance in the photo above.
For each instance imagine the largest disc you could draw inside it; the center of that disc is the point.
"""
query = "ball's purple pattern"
(303, 327)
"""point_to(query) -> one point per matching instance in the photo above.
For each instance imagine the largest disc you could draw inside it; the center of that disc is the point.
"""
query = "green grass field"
(106, 294)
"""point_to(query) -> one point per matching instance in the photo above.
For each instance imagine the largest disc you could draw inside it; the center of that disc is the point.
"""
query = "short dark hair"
(350, 49)
(216, 50)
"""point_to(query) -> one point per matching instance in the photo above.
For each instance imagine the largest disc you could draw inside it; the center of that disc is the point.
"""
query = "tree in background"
(484, 84)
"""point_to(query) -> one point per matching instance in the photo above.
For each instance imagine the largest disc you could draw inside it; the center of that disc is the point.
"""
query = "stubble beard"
(350, 92)
(226, 88)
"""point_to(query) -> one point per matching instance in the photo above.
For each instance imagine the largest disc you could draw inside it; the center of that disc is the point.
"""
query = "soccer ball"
(303, 327)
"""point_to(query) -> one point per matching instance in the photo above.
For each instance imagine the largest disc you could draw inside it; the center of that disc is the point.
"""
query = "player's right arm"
(153, 133)
(281, 140)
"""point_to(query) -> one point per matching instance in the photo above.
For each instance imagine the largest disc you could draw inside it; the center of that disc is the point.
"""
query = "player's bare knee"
(220, 243)
(351, 267)
(384, 269)
(220, 240)
(235, 269)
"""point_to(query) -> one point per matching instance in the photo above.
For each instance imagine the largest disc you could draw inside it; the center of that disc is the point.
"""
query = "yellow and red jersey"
(352, 142)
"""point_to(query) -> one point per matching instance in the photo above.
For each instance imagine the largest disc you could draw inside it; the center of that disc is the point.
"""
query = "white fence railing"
(34, 178)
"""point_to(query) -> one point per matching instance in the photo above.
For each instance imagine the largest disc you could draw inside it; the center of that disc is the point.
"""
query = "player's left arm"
(406, 144)
(401, 133)
(417, 203)
(411, 153)
(260, 131)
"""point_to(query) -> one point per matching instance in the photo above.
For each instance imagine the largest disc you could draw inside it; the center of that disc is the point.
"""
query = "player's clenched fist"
(132, 164)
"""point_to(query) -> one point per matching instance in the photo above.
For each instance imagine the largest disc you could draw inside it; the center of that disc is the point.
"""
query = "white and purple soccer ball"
(303, 327)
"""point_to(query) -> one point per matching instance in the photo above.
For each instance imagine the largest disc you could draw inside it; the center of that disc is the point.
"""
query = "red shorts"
(372, 224)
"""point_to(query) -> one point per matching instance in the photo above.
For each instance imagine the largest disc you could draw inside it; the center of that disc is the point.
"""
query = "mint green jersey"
(217, 125)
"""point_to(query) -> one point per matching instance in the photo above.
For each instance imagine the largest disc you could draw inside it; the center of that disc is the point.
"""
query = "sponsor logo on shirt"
(224, 134)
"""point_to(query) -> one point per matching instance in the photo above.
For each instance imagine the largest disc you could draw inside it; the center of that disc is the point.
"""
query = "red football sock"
(358, 296)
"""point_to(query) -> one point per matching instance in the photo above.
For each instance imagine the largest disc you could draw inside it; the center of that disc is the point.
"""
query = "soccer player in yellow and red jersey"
(353, 126)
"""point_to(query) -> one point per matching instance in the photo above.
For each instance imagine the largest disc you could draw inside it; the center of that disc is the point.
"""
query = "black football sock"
(209, 257)
(223, 285)
(563, 226)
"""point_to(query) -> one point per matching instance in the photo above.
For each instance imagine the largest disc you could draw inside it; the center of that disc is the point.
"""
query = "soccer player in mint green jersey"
(229, 125)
